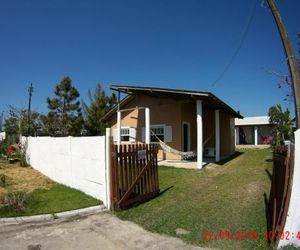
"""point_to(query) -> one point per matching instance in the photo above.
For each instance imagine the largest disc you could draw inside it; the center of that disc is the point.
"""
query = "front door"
(186, 136)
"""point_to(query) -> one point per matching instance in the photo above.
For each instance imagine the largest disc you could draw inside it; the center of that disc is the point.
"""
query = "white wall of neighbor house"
(2, 136)
(77, 162)
(292, 224)
(253, 127)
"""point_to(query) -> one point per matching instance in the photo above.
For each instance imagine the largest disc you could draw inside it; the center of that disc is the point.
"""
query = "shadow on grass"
(267, 214)
(138, 203)
(165, 190)
(269, 174)
(230, 158)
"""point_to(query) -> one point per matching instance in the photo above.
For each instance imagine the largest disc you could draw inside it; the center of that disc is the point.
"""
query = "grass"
(44, 195)
(229, 196)
(57, 198)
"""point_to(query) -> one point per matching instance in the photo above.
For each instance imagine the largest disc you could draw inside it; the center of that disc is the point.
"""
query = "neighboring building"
(184, 120)
(253, 131)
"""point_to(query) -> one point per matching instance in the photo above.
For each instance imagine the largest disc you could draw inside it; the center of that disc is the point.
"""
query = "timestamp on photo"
(223, 234)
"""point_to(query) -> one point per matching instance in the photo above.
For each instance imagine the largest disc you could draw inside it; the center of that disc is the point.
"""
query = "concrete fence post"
(107, 167)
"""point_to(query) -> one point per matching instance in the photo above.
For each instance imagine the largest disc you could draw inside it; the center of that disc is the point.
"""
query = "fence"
(283, 166)
(77, 162)
(292, 221)
(134, 174)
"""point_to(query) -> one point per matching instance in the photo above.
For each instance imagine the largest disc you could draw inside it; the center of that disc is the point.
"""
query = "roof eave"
(194, 95)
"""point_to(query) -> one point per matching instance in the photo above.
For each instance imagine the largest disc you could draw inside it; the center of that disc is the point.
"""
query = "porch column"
(147, 125)
(217, 134)
(199, 134)
(255, 135)
(119, 128)
(237, 135)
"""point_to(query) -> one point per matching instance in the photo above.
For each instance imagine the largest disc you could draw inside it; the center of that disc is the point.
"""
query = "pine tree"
(64, 117)
(99, 105)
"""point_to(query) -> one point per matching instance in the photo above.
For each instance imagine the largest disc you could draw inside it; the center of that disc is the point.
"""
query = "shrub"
(22, 154)
(3, 147)
(18, 152)
(15, 200)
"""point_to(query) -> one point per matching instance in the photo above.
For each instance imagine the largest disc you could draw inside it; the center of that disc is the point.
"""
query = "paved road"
(99, 231)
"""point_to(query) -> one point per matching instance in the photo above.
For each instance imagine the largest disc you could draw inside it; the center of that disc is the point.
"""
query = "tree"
(99, 105)
(64, 117)
(282, 124)
(17, 123)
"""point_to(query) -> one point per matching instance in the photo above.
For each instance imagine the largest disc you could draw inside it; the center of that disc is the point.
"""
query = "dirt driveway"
(99, 231)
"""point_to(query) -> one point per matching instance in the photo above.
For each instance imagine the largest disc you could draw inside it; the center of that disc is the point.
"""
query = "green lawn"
(227, 197)
(57, 198)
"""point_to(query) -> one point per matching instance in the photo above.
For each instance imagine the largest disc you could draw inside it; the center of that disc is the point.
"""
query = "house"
(254, 131)
(183, 120)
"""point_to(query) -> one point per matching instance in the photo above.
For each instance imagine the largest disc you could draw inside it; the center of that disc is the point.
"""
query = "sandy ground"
(99, 231)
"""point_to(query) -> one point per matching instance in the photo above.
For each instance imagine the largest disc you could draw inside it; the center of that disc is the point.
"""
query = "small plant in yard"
(15, 200)
(18, 152)
(3, 180)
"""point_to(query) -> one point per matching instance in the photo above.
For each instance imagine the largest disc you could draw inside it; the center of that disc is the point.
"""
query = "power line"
(239, 46)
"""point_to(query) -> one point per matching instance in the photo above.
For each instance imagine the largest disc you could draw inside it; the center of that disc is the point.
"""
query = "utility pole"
(30, 90)
(291, 58)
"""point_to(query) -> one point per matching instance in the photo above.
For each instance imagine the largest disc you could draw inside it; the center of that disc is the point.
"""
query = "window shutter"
(132, 133)
(143, 134)
(168, 133)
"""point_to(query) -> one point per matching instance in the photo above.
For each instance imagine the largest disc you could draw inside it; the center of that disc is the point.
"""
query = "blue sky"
(159, 43)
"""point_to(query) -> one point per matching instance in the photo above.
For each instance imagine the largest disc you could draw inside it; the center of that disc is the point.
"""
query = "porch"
(182, 122)
(187, 164)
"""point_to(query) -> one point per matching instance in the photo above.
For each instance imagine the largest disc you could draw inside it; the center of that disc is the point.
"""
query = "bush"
(3, 147)
(15, 200)
(17, 152)
(22, 154)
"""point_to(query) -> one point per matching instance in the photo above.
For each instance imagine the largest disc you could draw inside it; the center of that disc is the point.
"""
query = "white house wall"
(77, 162)
(255, 120)
(2, 136)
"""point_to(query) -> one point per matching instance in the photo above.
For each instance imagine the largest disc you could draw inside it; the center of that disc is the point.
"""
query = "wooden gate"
(283, 166)
(134, 174)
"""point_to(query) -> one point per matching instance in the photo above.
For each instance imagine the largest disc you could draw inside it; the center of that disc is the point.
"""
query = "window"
(163, 132)
(157, 132)
(125, 134)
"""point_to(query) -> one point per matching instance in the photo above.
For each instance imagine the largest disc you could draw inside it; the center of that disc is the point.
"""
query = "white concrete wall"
(292, 224)
(77, 162)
